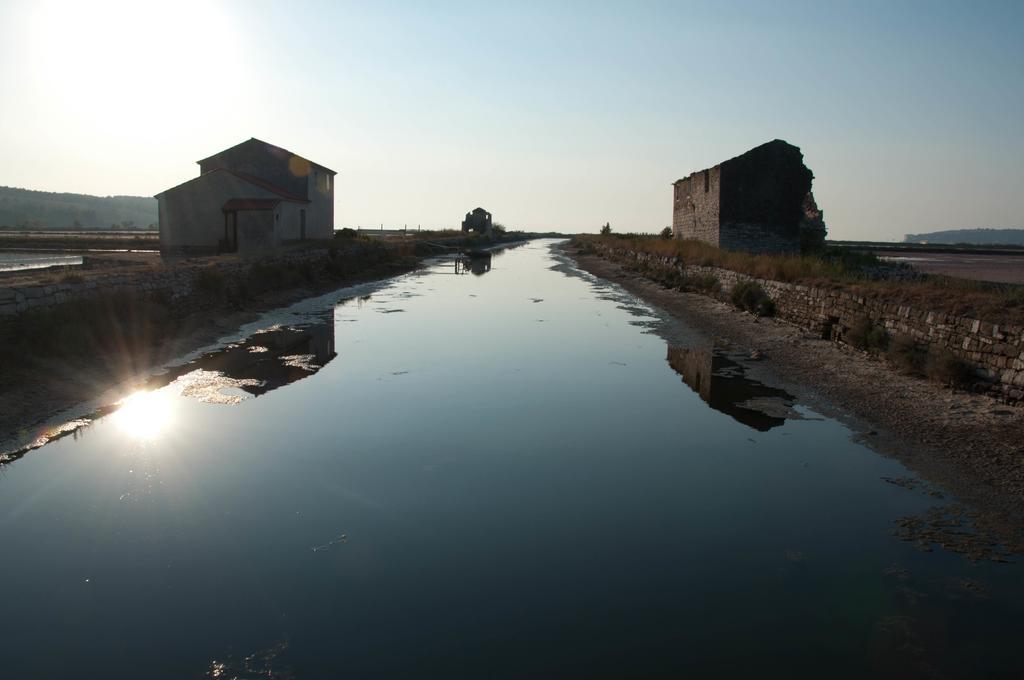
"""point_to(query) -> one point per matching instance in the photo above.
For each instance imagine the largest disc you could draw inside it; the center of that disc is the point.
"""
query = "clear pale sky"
(551, 115)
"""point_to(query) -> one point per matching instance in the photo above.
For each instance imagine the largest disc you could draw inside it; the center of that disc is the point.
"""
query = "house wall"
(320, 218)
(762, 199)
(696, 207)
(289, 222)
(266, 162)
(256, 230)
(759, 237)
(191, 215)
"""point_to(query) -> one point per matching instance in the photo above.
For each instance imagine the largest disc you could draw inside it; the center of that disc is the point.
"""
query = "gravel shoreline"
(970, 445)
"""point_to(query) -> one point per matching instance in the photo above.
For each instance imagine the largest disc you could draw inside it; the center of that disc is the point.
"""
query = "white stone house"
(254, 196)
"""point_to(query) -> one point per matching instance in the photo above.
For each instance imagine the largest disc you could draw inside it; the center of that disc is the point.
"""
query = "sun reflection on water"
(144, 415)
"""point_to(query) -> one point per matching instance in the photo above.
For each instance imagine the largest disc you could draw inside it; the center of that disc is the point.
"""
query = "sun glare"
(144, 415)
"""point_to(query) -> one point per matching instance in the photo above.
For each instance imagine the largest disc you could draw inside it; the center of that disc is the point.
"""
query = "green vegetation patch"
(750, 296)
(868, 336)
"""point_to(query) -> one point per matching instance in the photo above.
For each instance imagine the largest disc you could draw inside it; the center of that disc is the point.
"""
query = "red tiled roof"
(255, 181)
(282, 151)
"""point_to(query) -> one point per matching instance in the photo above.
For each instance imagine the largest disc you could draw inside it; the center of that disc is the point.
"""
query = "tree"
(666, 233)
(606, 229)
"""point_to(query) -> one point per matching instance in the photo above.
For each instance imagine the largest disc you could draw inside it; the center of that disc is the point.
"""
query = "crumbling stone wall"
(478, 220)
(995, 350)
(759, 202)
(695, 213)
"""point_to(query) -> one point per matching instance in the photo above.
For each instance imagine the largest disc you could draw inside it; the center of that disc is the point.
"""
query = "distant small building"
(479, 220)
(760, 202)
(253, 196)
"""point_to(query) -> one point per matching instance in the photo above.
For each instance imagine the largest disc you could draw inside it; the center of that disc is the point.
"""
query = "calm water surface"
(496, 475)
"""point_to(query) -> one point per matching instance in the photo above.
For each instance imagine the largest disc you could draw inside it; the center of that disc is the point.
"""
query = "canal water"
(16, 261)
(480, 472)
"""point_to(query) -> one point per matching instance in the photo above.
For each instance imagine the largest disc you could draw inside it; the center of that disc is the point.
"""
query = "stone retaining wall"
(995, 350)
(178, 283)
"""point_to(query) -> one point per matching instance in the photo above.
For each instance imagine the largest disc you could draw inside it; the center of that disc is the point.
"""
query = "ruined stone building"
(251, 197)
(719, 382)
(760, 202)
(479, 220)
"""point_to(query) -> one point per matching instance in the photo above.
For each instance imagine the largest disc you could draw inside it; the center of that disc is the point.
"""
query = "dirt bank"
(40, 389)
(970, 445)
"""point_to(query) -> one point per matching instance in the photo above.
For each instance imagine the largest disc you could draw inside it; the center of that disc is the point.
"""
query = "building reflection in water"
(477, 263)
(720, 382)
(264, 361)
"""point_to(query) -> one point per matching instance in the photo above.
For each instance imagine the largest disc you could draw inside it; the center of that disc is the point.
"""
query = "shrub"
(704, 283)
(867, 336)
(906, 355)
(750, 296)
(948, 368)
(210, 281)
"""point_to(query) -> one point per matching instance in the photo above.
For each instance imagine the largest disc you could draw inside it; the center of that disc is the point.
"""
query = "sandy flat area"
(997, 268)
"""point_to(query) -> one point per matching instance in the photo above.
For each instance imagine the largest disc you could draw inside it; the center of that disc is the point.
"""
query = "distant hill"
(988, 237)
(27, 209)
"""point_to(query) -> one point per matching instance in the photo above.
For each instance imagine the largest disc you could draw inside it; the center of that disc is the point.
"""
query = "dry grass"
(995, 302)
(788, 268)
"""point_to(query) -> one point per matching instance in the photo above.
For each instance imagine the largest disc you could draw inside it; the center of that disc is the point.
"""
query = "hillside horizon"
(972, 235)
(33, 209)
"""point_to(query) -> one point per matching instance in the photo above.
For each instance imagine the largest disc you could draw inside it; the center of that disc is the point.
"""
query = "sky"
(551, 115)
